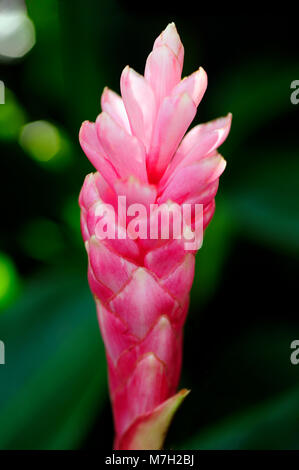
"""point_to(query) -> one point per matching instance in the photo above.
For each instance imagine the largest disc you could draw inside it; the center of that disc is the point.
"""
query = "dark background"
(244, 308)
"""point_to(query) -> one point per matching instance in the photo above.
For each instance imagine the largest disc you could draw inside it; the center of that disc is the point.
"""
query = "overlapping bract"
(142, 286)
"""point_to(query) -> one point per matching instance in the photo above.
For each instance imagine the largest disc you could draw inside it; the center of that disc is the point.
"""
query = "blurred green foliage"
(243, 313)
(12, 117)
(55, 369)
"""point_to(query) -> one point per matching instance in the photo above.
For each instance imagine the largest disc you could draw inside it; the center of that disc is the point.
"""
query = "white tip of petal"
(200, 84)
(113, 104)
(223, 129)
(171, 38)
(195, 85)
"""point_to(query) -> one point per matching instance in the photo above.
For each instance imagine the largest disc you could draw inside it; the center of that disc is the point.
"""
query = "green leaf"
(272, 425)
(149, 430)
(211, 257)
(256, 92)
(265, 201)
(54, 379)
(251, 394)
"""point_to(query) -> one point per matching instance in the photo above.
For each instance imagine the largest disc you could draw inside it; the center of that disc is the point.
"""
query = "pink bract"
(141, 286)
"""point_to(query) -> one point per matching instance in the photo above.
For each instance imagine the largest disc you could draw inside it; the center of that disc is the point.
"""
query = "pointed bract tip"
(202, 74)
(183, 393)
(149, 430)
(83, 129)
(170, 34)
(228, 124)
(171, 27)
(227, 121)
(129, 72)
(170, 37)
(124, 74)
(104, 95)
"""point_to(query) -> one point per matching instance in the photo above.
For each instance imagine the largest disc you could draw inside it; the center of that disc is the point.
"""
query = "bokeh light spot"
(41, 140)
(9, 281)
(17, 32)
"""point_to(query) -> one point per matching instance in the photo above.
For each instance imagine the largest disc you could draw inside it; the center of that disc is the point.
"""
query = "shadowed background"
(56, 58)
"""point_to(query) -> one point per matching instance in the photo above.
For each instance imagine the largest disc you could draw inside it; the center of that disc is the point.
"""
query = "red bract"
(141, 284)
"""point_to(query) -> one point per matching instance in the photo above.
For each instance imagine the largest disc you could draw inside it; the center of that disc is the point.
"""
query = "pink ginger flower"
(141, 286)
